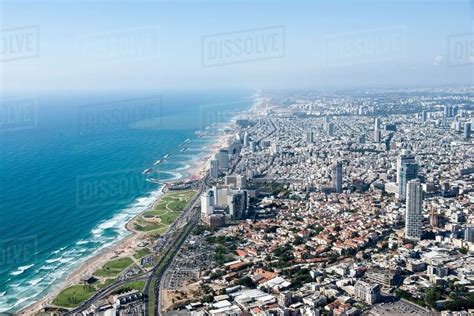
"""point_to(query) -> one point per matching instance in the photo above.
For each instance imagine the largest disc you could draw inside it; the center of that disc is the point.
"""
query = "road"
(187, 220)
(190, 218)
(104, 293)
(168, 259)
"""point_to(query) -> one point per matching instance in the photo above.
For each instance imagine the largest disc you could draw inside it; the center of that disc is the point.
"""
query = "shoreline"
(127, 245)
(121, 247)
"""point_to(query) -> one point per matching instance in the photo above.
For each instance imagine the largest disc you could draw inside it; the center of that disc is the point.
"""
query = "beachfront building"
(223, 160)
(214, 169)
(207, 203)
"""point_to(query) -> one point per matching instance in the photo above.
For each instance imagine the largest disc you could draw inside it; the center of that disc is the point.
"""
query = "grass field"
(141, 253)
(151, 298)
(133, 285)
(105, 283)
(167, 210)
(74, 295)
(145, 226)
(114, 267)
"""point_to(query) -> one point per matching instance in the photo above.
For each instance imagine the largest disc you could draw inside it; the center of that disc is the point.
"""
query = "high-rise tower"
(413, 215)
(338, 177)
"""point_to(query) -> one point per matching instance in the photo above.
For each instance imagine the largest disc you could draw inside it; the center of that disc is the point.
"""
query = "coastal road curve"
(148, 276)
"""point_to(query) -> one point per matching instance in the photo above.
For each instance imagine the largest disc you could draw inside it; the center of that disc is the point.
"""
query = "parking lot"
(397, 308)
(195, 256)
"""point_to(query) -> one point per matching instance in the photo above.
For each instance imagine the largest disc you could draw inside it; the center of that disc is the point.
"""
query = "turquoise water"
(71, 174)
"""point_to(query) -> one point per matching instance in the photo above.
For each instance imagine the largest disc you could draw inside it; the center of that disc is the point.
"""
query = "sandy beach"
(123, 247)
(200, 167)
(128, 245)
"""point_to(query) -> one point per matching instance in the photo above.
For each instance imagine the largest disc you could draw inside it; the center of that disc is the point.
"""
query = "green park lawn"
(168, 209)
(107, 282)
(141, 253)
(74, 295)
(114, 267)
(132, 285)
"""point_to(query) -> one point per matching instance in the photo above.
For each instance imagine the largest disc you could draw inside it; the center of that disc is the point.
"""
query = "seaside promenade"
(173, 239)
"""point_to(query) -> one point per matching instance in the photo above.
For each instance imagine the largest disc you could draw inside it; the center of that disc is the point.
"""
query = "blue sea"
(71, 173)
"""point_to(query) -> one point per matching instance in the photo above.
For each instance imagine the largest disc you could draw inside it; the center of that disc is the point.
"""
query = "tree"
(245, 281)
(298, 241)
(432, 295)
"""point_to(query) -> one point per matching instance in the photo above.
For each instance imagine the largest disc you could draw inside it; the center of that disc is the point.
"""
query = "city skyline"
(237, 158)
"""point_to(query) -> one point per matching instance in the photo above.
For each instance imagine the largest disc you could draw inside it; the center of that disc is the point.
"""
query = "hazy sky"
(72, 45)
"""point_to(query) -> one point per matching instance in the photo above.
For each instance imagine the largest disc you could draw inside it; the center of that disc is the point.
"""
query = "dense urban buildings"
(302, 213)
(317, 218)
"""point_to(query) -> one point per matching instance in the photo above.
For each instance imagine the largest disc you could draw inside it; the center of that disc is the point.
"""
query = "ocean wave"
(48, 267)
(58, 251)
(174, 175)
(28, 288)
(53, 260)
(57, 268)
(145, 201)
(66, 260)
(35, 282)
(6, 307)
(109, 224)
(186, 166)
(21, 269)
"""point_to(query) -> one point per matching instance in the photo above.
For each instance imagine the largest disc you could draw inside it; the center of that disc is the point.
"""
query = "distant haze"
(117, 45)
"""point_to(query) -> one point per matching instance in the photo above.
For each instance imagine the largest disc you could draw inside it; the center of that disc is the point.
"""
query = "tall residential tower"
(338, 177)
(413, 215)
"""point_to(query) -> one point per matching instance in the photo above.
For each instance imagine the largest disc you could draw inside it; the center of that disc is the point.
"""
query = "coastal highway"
(191, 216)
(188, 218)
(104, 293)
(155, 278)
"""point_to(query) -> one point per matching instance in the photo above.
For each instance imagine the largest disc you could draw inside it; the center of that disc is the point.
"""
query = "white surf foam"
(58, 251)
(21, 269)
(186, 166)
(57, 268)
